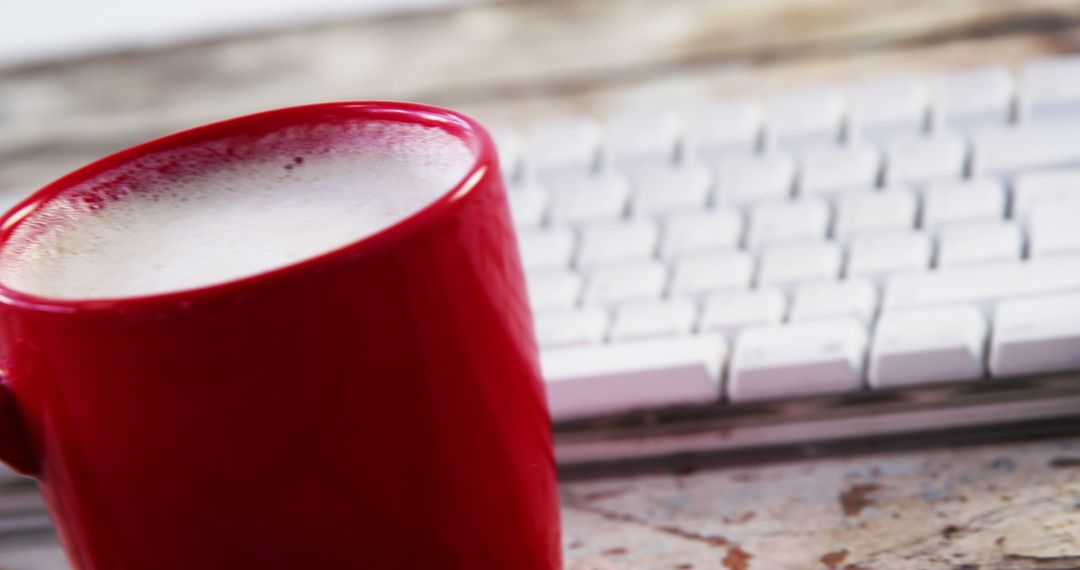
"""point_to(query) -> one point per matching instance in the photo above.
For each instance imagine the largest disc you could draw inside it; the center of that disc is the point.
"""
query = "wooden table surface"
(1001, 506)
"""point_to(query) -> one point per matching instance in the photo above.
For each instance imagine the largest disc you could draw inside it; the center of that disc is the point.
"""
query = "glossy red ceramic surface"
(376, 407)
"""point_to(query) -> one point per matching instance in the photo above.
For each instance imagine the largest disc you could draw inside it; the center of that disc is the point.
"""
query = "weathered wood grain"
(994, 507)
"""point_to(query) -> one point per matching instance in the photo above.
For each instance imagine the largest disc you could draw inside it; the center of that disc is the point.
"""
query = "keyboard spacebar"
(588, 381)
(984, 285)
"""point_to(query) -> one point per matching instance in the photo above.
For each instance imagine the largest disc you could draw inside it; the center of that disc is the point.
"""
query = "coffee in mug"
(230, 208)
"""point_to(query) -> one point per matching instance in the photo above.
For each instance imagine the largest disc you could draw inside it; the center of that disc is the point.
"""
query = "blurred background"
(54, 29)
(80, 79)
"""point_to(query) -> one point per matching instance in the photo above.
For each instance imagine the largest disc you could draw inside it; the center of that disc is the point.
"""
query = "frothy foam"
(227, 209)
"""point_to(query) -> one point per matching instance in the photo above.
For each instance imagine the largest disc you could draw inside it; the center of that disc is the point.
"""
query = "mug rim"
(475, 136)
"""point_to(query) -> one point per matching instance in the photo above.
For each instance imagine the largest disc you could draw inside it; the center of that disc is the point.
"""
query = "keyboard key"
(553, 288)
(1058, 186)
(511, 150)
(1037, 335)
(1053, 229)
(979, 243)
(1007, 151)
(546, 248)
(830, 169)
(722, 126)
(527, 205)
(775, 222)
(743, 179)
(926, 346)
(925, 159)
(653, 319)
(701, 231)
(571, 327)
(878, 255)
(984, 284)
(595, 380)
(662, 190)
(578, 200)
(951, 202)
(856, 298)
(787, 264)
(607, 242)
(885, 108)
(1050, 89)
(701, 273)
(567, 146)
(869, 212)
(642, 136)
(624, 282)
(970, 99)
(799, 119)
(801, 359)
(727, 313)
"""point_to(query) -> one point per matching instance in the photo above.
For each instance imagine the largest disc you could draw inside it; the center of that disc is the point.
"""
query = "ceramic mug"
(379, 406)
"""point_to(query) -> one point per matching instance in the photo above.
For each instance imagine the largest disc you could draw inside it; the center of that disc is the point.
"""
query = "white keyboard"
(901, 234)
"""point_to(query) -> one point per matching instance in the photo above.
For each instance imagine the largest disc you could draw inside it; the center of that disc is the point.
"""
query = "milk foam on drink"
(222, 210)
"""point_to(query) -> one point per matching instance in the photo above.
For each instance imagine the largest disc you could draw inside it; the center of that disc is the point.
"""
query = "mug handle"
(15, 448)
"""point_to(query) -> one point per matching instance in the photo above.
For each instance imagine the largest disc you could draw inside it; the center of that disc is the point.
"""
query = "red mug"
(379, 406)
